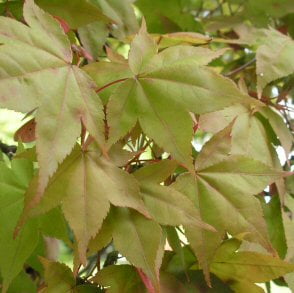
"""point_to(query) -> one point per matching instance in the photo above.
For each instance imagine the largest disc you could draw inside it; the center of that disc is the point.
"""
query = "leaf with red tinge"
(65, 26)
(68, 95)
(160, 91)
(84, 184)
(140, 240)
(27, 132)
(147, 282)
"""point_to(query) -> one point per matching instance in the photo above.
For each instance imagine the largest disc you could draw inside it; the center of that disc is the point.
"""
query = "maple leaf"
(244, 268)
(140, 240)
(225, 185)
(84, 185)
(14, 252)
(160, 89)
(37, 74)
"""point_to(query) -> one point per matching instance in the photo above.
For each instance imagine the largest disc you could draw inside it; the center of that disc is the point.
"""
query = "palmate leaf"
(122, 13)
(36, 72)
(164, 18)
(282, 131)
(58, 277)
(14, 252)
(161, 92)
(75, 12)
(140, 240)
(120, 279)
(85, 185)
(273, 53)
(246, 267)
(223, 192)
(166, 205)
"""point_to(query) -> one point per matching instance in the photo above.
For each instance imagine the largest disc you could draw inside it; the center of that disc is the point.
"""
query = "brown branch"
(110, 84)
(241, 68)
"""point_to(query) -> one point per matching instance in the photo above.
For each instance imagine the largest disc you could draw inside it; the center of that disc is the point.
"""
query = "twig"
(110, 84)
(241, 68)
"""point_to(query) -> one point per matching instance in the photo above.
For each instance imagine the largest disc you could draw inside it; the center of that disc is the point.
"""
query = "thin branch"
(110, 84)
(239, 69)
(139, 153)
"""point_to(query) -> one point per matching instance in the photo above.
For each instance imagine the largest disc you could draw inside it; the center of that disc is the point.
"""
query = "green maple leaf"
(223, 192)
(84, 184)
(273, 53)
(58, 277)
(120, 278)
(166, 205)
(75, 12)
(244, 268)
(282, 131)
(14, 252)
(159, 91)
(139, 239)
(37, 74)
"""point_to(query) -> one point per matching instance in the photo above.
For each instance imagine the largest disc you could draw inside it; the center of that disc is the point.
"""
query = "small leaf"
(169, 207)
(157, 172)
(283, 133)
(14, 252)
(58, 277)
(273, 58)
(123, 14)
(76, 12)
(250, 267)
(88, 35)
(143, 48)
(27, 132)
(139, 240)
(119, 279)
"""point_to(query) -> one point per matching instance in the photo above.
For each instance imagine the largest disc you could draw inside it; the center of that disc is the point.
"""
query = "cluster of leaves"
(108, 162)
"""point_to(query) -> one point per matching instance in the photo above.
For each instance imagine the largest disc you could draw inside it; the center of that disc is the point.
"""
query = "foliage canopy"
(119, 98)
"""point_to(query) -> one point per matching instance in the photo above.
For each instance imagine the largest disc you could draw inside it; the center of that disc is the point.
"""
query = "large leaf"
(140, 240)
(62, 93)
(225, 185)
(76, 12)
(84, 184)
(14, 252)
(248, 267)
(161, 97)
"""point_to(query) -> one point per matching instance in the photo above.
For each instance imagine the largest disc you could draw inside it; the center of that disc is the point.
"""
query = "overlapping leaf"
(122, 13)
(76, 12)
(161, 92)
(140, 240)
(247, 268)
(273, 54)
(166, 205)
(121, 279)
(36, 72)
(168, 18)
(58, 277)
(223, 191)
(85, 185)
(14, 252)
